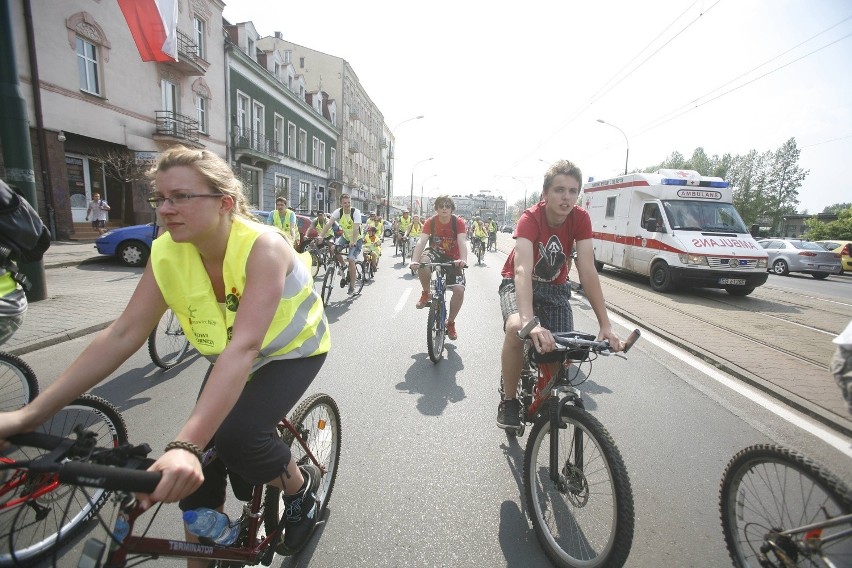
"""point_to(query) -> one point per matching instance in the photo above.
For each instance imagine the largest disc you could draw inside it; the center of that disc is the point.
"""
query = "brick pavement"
(82, 299)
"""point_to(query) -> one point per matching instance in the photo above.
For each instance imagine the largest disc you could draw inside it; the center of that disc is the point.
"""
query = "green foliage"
(839, 230)
(766, 185)
(837, 208)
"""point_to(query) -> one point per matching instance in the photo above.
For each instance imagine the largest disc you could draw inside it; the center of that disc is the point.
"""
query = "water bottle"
(211, 524)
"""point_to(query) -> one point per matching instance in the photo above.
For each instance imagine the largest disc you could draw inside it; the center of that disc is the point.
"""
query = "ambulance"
(676, 227)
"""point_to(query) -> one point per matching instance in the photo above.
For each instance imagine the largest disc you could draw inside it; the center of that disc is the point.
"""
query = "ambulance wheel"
(738, 291)
(661, 277)
(599, 266)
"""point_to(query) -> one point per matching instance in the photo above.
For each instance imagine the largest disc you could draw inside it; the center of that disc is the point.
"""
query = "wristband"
(187, 446)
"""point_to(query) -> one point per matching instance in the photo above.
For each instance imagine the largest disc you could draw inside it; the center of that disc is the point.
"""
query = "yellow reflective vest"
(298, 329)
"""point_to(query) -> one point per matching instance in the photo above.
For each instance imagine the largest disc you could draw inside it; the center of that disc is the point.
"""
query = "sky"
(506, 88)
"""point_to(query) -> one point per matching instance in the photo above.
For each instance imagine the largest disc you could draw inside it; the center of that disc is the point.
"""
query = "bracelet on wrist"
(186, 446)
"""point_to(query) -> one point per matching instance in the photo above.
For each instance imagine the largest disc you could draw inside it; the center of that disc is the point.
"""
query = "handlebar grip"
(525, 331)
(37, 440)
(631, 339)
(108, 477)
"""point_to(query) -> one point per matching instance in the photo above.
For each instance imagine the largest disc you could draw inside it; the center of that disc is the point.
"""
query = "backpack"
(23, 237)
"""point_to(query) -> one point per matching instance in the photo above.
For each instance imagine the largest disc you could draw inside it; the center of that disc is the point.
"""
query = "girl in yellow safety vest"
(244, 301)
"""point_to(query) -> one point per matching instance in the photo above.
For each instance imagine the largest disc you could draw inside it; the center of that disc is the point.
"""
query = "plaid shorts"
(550, 303)
(453, 275)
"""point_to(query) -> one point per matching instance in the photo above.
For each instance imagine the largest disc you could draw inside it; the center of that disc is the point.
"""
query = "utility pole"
(15, 134)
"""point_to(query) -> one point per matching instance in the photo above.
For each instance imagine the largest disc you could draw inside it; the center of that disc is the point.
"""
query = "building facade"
(102, 113)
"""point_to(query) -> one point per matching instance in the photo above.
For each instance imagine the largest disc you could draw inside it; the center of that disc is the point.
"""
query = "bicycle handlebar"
(130, 476)
(569, 340)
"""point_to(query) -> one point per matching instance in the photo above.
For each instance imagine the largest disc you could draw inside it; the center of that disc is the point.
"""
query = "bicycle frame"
(251, 553)
(439, 294)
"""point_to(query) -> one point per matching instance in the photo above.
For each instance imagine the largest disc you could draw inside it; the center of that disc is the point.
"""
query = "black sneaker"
(301, 510)
(509, 414)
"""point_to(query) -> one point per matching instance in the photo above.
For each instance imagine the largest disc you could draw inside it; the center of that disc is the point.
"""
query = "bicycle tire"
(328, 283)
(585, 528)
(359, 278)
(404, 250)
(315, 263)
(317, 419)
(167, 344)
(771, 488)
(18, 382)
(435, 330)
(66, 510)
(480, 252)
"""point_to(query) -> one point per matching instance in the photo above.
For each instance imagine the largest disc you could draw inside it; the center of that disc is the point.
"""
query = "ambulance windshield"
(705, 216)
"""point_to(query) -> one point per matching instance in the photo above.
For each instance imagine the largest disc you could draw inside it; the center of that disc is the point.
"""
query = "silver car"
(786, 256)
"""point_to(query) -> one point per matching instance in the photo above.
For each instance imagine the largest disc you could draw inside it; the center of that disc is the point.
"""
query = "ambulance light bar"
(693, 182)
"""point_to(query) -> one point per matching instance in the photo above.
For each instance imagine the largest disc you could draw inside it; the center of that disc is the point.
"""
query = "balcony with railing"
(189, 60)
(172, 126)
(354, 146)
(256, 144)
(335, 174)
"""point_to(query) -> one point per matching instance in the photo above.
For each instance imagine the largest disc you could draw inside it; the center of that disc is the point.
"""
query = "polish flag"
(153, 25)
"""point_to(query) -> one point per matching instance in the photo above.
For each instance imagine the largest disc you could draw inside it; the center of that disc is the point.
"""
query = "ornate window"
(91, 47)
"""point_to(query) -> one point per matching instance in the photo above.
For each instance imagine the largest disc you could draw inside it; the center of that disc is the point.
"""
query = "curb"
(56, 339)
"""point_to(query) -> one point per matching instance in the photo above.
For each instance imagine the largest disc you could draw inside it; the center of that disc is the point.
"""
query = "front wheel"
(18, 383)
(435, 330)
(586, 517)
(480, 252)
(359, 277)
(167, 344)
(661, 277)
(317, 420)
(767, 489)
(39, 514)
(328, 282)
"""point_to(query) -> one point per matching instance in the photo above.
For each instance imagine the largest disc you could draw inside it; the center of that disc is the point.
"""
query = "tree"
(837, 208)
(840, 230)
(783, 181)
(121, 164)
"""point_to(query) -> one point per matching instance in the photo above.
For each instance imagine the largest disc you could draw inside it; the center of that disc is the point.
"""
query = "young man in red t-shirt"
(445, 234)
(535, 278)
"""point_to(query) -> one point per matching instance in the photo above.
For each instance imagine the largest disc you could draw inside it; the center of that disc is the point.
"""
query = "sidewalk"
(81, 301)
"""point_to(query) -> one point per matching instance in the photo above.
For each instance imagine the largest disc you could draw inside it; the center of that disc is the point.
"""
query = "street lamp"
(422, 183)
(411, 201)
(525, 189)
(627, 142)
(390, 165)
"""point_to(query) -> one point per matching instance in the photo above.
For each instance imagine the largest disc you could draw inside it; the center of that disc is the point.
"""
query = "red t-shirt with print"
(551, 245)
(442, 237)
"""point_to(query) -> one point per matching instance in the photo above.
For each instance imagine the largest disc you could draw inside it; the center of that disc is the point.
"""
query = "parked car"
(507, 229)
(131, 245)
(843, 248)
(388, 228)
(786, 256)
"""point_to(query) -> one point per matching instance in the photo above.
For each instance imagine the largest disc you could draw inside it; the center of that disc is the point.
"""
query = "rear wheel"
(599, 266)
(820, 275)
(585, 518)
(18, 383)
(328, 282)
(767, 489)
(317, 420)
(435, 330)
(661, 277)
(47, 508)
(167, 344)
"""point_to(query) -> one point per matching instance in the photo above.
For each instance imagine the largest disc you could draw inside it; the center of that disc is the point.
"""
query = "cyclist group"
(248, 304)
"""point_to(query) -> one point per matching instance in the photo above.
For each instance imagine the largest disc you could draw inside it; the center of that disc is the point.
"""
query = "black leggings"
(247, 442)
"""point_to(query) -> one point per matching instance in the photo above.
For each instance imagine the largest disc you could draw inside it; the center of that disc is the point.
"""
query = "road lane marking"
(836, 441)
(402, 301)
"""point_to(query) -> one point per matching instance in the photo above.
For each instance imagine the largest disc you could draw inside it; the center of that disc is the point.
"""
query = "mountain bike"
(492, 242)
(64, 468)
(167, 344)
(478, 249)
(319, 255)
(338, 267)
(38, 510)
(18, 382)
(403, 248)
(781, 509)
(367, 267)
(577, 490)
(436, 322)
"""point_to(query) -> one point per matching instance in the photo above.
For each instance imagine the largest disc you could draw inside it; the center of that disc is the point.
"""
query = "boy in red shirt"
(445, 234)
(535, 279)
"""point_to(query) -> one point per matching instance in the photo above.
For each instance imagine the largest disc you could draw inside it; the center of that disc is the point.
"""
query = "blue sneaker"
(301, 511)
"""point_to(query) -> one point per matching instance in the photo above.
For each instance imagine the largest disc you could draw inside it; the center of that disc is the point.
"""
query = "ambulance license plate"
(732, 281)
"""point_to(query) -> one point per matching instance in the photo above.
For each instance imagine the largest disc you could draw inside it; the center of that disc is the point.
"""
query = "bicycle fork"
(569, 478)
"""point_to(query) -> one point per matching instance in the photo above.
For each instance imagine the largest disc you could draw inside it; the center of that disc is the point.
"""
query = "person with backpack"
(98, 212)
(23, 238)
(285, 220)
(349, 219)
(445, 234)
